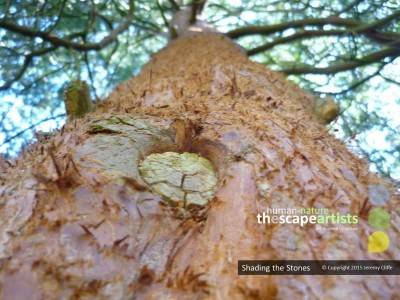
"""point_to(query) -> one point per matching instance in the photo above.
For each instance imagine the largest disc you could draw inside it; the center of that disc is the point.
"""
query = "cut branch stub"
(117, 143)
(183, 179)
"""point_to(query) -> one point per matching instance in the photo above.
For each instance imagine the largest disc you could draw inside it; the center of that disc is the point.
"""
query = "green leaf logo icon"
(379, 218)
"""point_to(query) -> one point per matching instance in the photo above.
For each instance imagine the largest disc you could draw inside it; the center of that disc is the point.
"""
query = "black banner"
(319, 267)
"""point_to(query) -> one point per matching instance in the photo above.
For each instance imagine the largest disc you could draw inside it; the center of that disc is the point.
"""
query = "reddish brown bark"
(75, 226)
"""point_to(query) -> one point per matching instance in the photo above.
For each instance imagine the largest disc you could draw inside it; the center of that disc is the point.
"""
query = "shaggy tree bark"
(78, 220)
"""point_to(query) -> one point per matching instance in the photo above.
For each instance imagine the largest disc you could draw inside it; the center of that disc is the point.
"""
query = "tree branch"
(350, 6)
(60, 42)
(25, 65)
(164, 18)
(390, 80)
(271, 29)
(18, 75)
(380, 23)
(362, 81)
(58, 19)
(368, 30)
(196, 9)
(297, 36)
(174, 5)
(37, 80)
(340, 67)
(7, 140)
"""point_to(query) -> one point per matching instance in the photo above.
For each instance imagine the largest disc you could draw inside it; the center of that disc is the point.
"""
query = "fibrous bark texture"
(78, 221)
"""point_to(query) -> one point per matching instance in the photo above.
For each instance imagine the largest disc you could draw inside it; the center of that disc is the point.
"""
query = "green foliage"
(346, 49)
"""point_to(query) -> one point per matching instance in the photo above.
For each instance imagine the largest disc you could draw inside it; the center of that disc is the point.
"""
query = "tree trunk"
(79, 221)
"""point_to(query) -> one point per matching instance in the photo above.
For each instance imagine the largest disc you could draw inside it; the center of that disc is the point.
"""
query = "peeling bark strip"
(78, 221)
